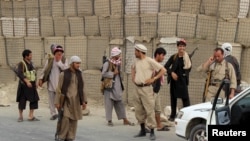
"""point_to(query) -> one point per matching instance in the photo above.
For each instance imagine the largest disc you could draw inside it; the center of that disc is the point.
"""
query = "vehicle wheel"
(198, 133)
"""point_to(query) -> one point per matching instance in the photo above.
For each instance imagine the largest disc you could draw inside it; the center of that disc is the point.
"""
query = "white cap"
(227, 47)
(115, 51)
(141, 47)
(75, 59)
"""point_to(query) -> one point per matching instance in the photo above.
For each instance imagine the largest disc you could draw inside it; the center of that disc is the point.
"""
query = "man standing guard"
(26, 90)
(71, 87)
(219, 69)
(178, 67)
(144, 103)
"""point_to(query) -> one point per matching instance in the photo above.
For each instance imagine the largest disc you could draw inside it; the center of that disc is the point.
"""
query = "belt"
(142, 85)
(215, 84)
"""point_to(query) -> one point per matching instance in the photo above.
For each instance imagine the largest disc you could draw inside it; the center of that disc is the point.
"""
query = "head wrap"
(75, 59)
(115, 51)
(227, 48)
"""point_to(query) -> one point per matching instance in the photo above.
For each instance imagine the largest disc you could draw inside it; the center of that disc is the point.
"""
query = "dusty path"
(92, 128)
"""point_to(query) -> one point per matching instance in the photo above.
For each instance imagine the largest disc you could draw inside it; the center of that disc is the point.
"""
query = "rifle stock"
(206, 86)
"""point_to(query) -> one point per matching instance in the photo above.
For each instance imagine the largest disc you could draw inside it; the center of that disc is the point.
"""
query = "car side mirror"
(219, 101)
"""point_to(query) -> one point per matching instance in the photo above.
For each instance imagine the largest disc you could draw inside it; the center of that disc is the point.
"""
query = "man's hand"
(174, 76)
(84, 106)
(40, 82)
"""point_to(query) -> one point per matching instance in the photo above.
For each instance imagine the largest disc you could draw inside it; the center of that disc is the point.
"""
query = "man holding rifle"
(219, 69)
(70, 100)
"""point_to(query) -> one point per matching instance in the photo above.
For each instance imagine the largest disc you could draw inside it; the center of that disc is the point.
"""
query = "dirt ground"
(93, 127)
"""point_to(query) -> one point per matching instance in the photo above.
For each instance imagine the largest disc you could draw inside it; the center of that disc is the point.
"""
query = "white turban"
(75, 59)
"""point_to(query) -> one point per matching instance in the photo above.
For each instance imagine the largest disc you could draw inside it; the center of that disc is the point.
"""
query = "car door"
(220, 112)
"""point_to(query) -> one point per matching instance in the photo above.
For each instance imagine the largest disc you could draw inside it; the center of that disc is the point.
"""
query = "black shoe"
(140, 134)
(152, 136)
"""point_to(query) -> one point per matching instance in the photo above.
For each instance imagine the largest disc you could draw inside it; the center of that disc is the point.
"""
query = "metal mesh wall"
(19, 8)
(35, 44)
(95, 51)
(61, 26)
(149, 6)
(148, 25)
(116, 26)
(243, 32)
(76, 26)
(228, 8)
(77, 46)
(6, 75)
(6, 8)
(167, 23)
(69, 7)
(93, 84)
(31, 8)
(245, 65)
(131, 90)
(129, 58)
(132, 25)
(2, 53)
(57, 8)
(104, 23)
(186, 24)
(226, 30)
(132, 7)
(116, 7)
(33, 28)
(209, 7)
(195, 89)
(206, 27)
(243, 8)
(190, 6)
(170, 5)
(91, 25)
(45, 7)
(46, 24)
(85, 7)
(7, 27)
(102, 7)
(19, 27)
(14, 48)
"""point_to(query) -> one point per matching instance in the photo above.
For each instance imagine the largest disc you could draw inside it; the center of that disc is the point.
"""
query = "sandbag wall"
(90, 28)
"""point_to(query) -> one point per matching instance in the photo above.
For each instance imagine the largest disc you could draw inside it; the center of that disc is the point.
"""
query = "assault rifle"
(60, 116)
(192, 53)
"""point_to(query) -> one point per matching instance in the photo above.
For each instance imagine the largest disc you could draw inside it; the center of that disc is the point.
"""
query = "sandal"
(20, 120)
(129, 123)
(165, 128)
(34, 119)
(110, 123)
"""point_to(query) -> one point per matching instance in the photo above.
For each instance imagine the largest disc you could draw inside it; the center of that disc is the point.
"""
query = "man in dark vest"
(71, 88)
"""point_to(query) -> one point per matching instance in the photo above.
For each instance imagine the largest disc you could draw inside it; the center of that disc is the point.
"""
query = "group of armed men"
(64, 79)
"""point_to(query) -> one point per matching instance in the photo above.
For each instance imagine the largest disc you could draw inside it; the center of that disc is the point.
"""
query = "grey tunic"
(116, 92)
(113, 97)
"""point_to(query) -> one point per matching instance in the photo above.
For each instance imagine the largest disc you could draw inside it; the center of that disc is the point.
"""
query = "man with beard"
(71, 86)
(141, 73)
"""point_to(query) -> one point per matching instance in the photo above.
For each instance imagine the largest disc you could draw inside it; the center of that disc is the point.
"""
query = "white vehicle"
(191, 122)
